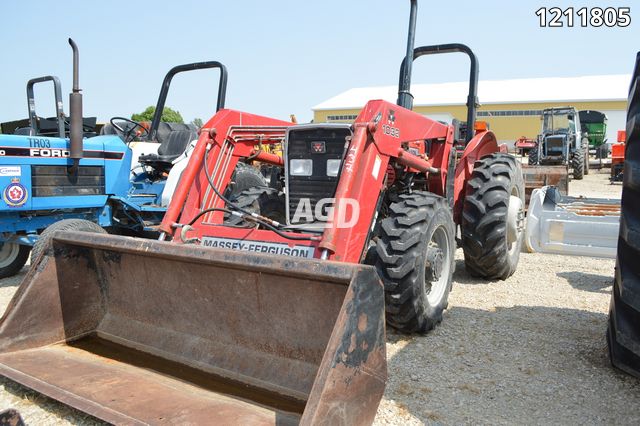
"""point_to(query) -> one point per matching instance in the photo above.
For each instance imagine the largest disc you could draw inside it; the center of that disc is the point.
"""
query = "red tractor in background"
(412, 178)
(617, 157)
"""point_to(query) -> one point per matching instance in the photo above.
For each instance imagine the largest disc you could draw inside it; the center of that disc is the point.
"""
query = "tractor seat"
(172, 145)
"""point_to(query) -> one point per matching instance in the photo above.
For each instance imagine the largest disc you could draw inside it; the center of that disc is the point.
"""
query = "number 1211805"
(584, 17)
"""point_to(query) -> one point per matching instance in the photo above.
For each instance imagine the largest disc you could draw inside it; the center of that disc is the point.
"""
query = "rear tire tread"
(484, 217)
(533, 156)
(623, 333)
(64, 225)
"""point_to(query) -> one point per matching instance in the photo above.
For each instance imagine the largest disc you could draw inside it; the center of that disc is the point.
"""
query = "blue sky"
(283, 57)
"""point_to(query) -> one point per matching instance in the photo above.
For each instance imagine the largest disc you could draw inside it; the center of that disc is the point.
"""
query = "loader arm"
(382, 131)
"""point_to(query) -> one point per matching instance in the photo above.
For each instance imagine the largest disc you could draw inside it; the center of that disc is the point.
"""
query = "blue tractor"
(59, 174)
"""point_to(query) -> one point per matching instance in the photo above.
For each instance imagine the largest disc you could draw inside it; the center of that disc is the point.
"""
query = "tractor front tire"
(414, 257)
(533, 156)
(261, 200)
(577, 164)
(623, 333)
(13, 256)
(493, 217)
(64, 226)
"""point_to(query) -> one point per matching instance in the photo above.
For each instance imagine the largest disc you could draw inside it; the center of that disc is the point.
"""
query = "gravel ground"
(528, 350)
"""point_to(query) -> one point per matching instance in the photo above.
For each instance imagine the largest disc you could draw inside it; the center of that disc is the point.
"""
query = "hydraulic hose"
(266, 222)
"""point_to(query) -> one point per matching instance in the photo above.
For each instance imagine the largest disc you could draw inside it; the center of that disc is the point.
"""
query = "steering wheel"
(128, 134)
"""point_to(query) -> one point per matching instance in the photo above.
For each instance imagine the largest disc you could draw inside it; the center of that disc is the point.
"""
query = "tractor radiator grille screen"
(55, 181)
(555, 145)
(314, 160)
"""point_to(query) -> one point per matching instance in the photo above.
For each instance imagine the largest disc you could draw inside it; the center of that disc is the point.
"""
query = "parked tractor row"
(562, 149)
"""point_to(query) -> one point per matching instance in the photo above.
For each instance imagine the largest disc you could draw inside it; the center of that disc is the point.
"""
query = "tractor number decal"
(394, 132)
(11, 151)
(15, 194)
(39, 143)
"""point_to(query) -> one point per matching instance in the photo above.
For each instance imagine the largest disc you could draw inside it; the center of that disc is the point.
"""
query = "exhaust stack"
(405, 98)
(75, 102)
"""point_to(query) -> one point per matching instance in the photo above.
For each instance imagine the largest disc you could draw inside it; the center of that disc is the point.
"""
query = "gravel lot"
(528, 350)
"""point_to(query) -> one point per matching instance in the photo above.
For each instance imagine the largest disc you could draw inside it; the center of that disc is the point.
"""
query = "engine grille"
(317, 186)
(55, 181)
(554, 145)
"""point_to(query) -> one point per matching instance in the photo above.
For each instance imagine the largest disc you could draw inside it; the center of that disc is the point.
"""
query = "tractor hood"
(34, 172)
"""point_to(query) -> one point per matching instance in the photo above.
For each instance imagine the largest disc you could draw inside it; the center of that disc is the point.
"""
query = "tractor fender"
(482, 144)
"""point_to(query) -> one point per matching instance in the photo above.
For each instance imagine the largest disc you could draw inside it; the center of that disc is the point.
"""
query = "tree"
(168, 115)
(197, 122)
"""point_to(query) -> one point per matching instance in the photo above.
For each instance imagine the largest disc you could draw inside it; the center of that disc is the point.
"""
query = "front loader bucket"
(539, 176)
(142, 332)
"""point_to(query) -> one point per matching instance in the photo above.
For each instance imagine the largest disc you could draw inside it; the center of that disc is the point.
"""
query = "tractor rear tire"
(493, 217)
(264, 201)
(13, 256)
(64, 225)
(414, 257)
(577, 163)
(533, 156)
(623, 333)
(244, 177)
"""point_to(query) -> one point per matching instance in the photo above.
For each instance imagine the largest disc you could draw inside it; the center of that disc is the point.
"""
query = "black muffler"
(75, 105)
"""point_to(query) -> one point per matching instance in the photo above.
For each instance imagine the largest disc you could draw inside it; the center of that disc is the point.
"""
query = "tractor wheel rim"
(8, 253)
(514, 213)
(437, 279)
(515, 220)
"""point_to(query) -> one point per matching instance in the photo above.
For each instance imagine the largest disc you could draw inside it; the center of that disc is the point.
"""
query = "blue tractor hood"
(35, 174)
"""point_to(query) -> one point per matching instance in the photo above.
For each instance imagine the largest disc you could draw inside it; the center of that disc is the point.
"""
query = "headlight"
(301, 167)
(333, 167)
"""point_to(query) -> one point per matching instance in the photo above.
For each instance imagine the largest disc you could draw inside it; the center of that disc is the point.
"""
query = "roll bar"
(405, 99)
(31, 102)
(164, 91)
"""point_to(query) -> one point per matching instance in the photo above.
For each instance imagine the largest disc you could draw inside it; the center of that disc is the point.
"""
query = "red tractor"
(251, 332)
(402, 180)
